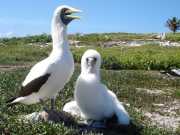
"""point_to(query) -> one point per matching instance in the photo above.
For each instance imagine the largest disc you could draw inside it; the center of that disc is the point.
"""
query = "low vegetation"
(90, 39)
(145, 57)
(129, 71)
(14, 54)
(104, 37)
(137, 102)
(173, 37)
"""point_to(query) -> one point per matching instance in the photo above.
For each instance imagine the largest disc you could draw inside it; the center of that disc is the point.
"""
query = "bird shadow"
(111, 126)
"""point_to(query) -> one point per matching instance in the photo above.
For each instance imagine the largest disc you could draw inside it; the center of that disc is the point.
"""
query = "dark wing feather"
(33, 86)
(11, 99)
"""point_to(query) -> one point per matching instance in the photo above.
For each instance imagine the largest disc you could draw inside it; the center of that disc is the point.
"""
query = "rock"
(33, 117)
(50, 115)
(158, 105)
(172, 72)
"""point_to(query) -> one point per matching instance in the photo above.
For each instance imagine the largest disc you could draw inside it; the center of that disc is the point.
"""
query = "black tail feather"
(9, 102)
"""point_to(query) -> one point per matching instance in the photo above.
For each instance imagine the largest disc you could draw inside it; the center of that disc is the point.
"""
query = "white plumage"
(93, 98)
(49, 76)
(72, 108)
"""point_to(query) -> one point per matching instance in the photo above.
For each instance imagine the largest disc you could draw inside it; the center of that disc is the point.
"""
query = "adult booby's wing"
(36, 78)
(31, 87)
(34, 85)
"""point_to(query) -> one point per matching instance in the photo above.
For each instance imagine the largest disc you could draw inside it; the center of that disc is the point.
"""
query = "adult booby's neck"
(59, 34)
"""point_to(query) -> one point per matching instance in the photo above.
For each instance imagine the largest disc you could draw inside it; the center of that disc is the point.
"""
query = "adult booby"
(49, 76)
(93, 98)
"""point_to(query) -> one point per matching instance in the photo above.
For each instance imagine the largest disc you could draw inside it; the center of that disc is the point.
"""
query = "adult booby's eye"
(66, 11)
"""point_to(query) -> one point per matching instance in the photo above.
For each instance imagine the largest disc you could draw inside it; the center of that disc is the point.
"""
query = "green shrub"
(147, 57)
(173, 37)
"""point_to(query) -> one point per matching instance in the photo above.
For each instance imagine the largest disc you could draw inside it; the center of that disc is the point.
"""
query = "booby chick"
(49, 76)
(93, 98)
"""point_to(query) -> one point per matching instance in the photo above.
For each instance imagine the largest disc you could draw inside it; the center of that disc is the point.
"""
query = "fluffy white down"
(93, 98)
(72, 108)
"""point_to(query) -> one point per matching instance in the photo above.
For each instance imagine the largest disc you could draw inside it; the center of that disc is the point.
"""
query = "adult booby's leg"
(43, 105)
(53, 103)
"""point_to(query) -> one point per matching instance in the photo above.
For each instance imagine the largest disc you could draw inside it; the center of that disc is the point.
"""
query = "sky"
(30, 17)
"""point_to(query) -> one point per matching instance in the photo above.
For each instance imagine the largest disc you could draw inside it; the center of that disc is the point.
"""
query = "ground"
(151, 98)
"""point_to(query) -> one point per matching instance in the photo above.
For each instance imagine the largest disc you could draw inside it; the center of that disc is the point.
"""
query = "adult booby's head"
(64, 14)
(91, 62)
(61, 18)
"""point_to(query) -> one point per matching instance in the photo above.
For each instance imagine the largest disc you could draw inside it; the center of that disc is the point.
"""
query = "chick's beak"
(91, 61)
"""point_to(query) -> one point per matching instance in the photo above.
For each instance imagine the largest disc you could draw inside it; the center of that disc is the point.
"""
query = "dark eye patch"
(95, 59)
(64, 11)
(64, 19)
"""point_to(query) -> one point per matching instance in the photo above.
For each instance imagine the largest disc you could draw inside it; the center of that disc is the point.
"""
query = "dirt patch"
(165, 115)
(151, 92)
(13, 67)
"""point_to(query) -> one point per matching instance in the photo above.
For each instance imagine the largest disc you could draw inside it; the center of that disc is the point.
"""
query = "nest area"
(111, 126)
